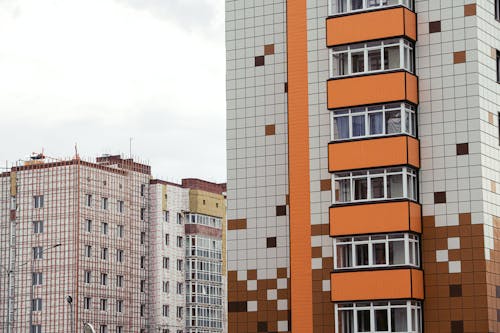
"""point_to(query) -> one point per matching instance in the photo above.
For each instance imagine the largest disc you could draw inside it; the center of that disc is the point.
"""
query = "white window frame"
(36, 304)
(38, 252)
(411, 248)
(88, 225)
(413, 314)
(119, 281)
(38, 201)
(406, 172)
(382, 4)
(38, 227)
(405, 62)
(404, 108)
(37, 278)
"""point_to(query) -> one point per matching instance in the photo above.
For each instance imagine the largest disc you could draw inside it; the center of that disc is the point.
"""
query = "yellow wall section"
(13, 184)
(164, 197)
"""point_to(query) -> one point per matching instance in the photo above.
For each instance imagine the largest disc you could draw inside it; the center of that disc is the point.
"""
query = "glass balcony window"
(379, 316)
(375, 184)
(337, 7)
(373, 121)
(388, 250)
(372, 57)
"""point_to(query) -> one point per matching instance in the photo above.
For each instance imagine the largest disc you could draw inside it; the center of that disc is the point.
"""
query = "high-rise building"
(363, 165)
(105, 244)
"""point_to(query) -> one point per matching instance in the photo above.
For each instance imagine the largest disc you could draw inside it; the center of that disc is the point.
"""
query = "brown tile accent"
(271, 242)
(237, 306)
(317, 252)
(457, 326)
(464, 218)
(455, 290)
(286, 85)
(287, 199)
(280, 210)
(434, 26)
(268, 49)
(320, 229)
(491, 118)
(259, 61)
(497, 292)
(439, 197)
(462, 149)
(237, 224)
(470, 10)
(459, 57)
(262, 326)
(252, 274)
(282, 272)
(326, 185)
(493, 186)
(270, 129)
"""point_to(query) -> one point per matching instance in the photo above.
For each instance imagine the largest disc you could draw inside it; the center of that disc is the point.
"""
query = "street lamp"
(10, 285)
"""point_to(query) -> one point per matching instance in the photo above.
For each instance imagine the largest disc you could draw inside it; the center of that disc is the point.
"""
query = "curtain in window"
(358, 126)
(341, 128)
(376, 123)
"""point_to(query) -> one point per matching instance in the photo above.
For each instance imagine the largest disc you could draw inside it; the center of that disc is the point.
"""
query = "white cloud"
(97, 72)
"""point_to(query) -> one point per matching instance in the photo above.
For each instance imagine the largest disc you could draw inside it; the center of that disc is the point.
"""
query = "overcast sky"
(97, 72)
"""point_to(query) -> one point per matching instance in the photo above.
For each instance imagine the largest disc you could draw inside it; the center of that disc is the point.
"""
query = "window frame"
(38, 227)
(413, 314)
(410, 4)
(404, 108)
(405, 63)
(369, 174)
(411, 248)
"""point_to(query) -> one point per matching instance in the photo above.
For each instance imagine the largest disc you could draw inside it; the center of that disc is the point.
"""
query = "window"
(180, 312)
(179, 218)
(36, 329)
(166, 262)
(104, 304)
(143, 286)
(498, 57)
(180, 288)
(88, 251)
(119, 305)
(88, 200)
(143, 261)
(119, 255)
(38, 252)
(379, 316)
(36, 304)
(104, 203)
(347, 6)
(87, 303)
(37, 278)
(104, 279)
(87, 276)
(104, 253)
(119, 231)
(143, 237)
(119, 329)
(376, 251)
(372, 57)
(375, 184)
(88, 225)
(372, 121)
(143, 214)
(166, 287)
(143, 190)
(497, 10)
(104, 228)
(180, 264)
(38, 201)
(142, 310)
(37, 227)
(119, 281)
(167, 216)
(166, 310)
(103, 328)
(167, 239)
(179, 241)
(120, 206)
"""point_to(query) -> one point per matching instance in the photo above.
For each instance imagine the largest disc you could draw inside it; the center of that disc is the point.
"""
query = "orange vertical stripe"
(298, 168)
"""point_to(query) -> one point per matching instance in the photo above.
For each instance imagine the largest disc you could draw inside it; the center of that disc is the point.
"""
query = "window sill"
(385, 71)
(362, 138)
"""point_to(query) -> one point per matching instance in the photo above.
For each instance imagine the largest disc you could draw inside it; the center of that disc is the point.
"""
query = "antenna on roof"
(130, 147)
(77, 157)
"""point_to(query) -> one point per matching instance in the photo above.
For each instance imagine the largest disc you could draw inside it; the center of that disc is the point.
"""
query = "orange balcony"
(370, 218)
(380, 24)
(372, 89)
(380, 284)
(373, 153)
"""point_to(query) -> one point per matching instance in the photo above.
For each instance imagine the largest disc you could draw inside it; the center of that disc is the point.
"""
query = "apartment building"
(103, 243)
(363, 165)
